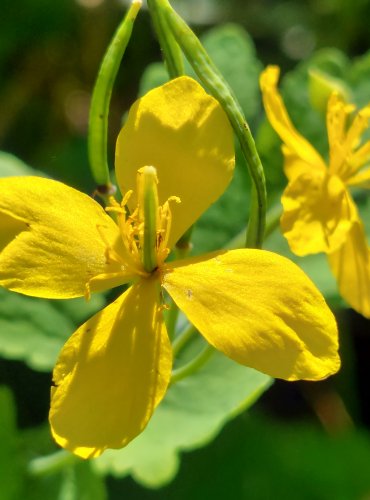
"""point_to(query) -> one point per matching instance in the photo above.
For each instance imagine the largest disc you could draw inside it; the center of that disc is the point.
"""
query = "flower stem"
(272, 223)
(194, 365)
(273, 219)
(98, 119)
(182, 339)
(171, 50)
(171, 319)
(51, 463)
(213, 80)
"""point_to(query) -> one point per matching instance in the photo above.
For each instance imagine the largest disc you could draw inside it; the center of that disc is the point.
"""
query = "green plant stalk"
(217, 86)
(182, 339)
(171, 319)
(99, 109)
(273, 219)
(171, 51)
(50, 464)
(194, 365)
(272, 223)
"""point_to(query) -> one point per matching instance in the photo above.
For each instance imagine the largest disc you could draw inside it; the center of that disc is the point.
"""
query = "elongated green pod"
(99, 110)
(217, 86)
(171, 51)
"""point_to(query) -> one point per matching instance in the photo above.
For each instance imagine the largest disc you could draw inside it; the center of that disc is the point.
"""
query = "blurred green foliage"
(34, 330)
(49, 57)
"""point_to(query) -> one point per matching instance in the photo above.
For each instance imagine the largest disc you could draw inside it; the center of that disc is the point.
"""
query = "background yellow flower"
(319, 212)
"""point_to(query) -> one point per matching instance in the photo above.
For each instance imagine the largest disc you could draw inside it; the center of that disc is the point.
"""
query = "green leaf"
(34, 330)
(233, 52)
(11, 165)
(226, 217)
(75, 481)
(57, 474)
(10, 467)
(192, 414)
(358, 78)
(154, 75)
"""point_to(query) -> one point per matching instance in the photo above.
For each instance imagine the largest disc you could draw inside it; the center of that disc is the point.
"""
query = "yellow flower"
(319, 212)
(256, 307)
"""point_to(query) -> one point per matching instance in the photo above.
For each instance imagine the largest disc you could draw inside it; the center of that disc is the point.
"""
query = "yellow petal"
(10, 227)
(259, 309)
(346, 157)
(359, 159)
(293, 164)
(296, 146)
(362, 179)
(111, 374)
(336, 120)
(351, 267)
(318, 213)
(184, 133)
(59, 244)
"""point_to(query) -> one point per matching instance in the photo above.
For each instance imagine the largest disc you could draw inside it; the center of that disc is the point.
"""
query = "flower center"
(145, 231)
(148, 205)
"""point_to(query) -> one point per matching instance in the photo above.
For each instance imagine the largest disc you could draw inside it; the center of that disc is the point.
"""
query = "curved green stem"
(50, 464)
(217, 86)
(171, 50)
(182, 339)
(273, 219)
(98, 119)
(194, 365)
(171, 319)
(272, 223)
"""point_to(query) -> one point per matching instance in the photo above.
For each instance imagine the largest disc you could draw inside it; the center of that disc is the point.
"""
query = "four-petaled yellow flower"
(255, 306)
(319, 212)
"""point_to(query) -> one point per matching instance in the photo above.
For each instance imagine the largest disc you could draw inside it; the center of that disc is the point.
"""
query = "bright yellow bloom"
(256, 307)
(319, 212)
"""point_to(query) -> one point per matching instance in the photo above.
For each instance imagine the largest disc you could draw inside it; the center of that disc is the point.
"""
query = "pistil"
(147, 189)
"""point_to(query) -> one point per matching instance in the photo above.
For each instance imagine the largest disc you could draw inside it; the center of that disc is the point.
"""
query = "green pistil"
(148, 213)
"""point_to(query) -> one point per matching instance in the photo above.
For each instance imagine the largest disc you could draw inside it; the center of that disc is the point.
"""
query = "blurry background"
(300, 440)
(50, 53)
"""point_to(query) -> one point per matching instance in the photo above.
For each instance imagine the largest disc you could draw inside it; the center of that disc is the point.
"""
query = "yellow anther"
(145, 230)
